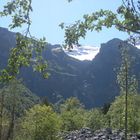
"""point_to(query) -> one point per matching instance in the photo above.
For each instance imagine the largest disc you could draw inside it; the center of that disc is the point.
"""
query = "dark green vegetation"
(45, 122)
(126, 19)
(41, 121)
(95, 83)
(15, 98)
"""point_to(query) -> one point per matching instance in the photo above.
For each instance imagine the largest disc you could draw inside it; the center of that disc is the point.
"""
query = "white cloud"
(83, 52)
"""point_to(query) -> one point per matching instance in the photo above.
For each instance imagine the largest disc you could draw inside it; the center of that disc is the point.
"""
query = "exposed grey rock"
(104, 134)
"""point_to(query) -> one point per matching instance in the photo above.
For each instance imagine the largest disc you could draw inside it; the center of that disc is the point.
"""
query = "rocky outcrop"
(104, 134)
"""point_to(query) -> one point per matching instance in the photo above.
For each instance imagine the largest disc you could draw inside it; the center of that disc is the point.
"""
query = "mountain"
(83, 52)
(65, 71)
(93, 82)
(7, 41)
(65, 75)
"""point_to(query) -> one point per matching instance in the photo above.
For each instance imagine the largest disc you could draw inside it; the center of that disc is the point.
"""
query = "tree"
(127, 82)
(72, 114)
(28, 50)
(117, 112)
(73, 119)
(126, 19)
(2, 100)
(16, 104)
(15, 99)
(123, 82)
(95, 119)
(70, 104)
(40, 123)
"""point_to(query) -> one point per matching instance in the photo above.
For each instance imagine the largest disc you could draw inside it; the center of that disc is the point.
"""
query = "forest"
(25, 116)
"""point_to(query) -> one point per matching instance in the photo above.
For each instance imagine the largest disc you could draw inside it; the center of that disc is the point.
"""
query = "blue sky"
(48, 14)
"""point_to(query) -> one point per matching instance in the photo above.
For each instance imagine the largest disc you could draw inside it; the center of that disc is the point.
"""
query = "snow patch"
(83, 52)
(138, 46)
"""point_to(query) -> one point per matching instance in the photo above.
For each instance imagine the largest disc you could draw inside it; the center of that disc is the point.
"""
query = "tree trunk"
(10, 133)
(126, 95)
(1, 114)
(11, 126)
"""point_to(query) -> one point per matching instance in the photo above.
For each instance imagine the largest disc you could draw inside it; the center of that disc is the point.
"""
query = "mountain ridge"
(93, 82)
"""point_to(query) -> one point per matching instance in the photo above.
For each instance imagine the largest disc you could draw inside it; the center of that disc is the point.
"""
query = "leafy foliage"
(15, 98)
(40, 123)
(19, 95)
(28, 50)
(70, 104)
(19, 10)
(117, 113)
(126, 18)
(71, 117)
(95, 119)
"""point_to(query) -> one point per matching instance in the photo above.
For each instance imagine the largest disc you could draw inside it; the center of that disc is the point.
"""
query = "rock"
(109, 130)
(138, 136)
(103, 134)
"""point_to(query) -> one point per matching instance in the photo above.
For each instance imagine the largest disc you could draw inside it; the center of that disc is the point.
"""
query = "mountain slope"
(65, 71)
(93, 82)
(65, 74)
(102, 72)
